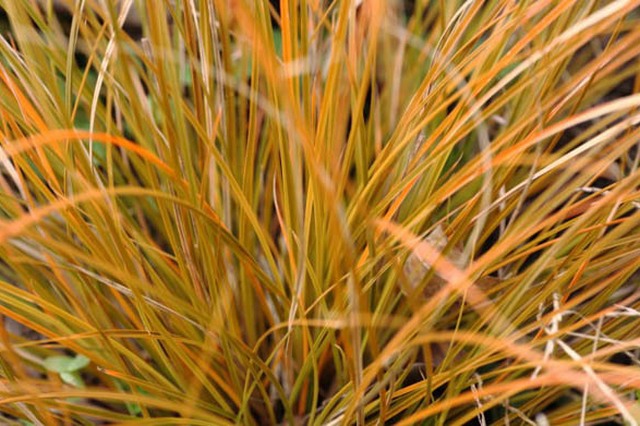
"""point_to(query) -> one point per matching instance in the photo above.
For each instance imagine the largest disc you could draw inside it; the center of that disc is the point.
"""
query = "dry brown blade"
(416, 269)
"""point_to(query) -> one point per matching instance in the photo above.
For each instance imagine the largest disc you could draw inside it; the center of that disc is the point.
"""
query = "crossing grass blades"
(319, 212)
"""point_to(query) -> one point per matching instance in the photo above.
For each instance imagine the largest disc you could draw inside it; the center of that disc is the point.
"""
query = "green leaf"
(72, 378)
(66, 364)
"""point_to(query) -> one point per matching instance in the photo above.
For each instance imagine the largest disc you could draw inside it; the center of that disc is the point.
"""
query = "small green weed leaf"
(66, 364)
(79, 362)
(72, 378)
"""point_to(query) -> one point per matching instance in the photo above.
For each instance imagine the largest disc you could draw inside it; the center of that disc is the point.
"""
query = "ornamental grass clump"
(323, 213)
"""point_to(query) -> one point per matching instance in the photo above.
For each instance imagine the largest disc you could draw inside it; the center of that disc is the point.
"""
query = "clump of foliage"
(319, 213)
